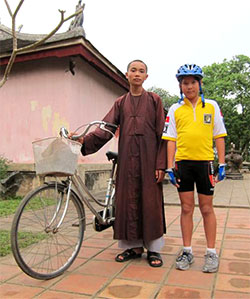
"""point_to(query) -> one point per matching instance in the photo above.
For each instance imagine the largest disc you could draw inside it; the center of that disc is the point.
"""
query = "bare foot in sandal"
(154, 259)
(128, 254)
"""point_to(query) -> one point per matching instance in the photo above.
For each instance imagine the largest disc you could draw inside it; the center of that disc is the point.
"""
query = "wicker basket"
(56, 156)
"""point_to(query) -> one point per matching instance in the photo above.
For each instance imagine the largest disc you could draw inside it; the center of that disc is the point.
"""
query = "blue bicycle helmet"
(191, 70)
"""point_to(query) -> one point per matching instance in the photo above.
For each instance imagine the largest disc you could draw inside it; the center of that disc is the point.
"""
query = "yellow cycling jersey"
(194, 128)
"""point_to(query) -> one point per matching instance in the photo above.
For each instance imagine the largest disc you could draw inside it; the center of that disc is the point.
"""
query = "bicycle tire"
(38, 250)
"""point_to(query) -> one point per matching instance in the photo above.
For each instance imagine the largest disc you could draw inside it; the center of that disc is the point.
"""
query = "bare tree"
(16, 50)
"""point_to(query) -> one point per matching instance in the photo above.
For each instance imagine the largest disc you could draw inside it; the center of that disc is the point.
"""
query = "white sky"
(163, 33)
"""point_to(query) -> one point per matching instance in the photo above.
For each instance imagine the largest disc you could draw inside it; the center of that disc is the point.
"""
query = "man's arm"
(96, 139)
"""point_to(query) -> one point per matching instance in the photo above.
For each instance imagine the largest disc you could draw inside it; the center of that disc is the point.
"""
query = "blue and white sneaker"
(211, 263)
(184, 260)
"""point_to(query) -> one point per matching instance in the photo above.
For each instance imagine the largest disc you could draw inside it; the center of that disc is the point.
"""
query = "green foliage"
(25, 239)
(229, 84)
(5, 247)
(9, 206)
(3, 167)
(167, 99)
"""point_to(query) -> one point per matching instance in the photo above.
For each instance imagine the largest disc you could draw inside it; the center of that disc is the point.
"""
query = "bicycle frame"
(80, 186)
(107, 216)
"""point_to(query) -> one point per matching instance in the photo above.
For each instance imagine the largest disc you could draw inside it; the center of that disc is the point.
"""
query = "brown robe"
(139, 199)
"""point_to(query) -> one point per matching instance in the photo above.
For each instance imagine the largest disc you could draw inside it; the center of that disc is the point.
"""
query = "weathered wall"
(41, 96)
(95, 176)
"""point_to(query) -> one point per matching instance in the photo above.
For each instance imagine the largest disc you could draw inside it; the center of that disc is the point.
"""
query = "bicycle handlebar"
(102, 124)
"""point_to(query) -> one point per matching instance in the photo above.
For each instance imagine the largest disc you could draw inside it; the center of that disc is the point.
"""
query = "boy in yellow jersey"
(190, 128)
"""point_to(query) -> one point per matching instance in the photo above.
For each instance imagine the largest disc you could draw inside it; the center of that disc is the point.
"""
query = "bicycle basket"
(56, 156)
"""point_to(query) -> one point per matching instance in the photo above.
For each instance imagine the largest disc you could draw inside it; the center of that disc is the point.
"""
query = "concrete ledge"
(95, 176)
(22, 167)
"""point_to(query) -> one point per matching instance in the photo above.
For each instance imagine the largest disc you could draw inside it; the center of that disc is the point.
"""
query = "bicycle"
(48, 227)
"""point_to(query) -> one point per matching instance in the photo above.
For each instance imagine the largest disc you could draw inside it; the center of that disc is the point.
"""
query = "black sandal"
(153, 257)
(127, 255)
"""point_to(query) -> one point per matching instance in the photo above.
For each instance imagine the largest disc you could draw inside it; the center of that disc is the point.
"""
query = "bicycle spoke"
(41, 246)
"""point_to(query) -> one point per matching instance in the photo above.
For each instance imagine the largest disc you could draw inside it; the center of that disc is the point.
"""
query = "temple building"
(64, 82)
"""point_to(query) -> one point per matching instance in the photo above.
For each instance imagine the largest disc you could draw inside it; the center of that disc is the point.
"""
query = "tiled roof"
(72, 42)
(24, 39)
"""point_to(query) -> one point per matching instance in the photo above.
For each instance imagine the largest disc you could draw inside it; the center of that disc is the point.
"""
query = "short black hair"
(137, 60)
(195, 77)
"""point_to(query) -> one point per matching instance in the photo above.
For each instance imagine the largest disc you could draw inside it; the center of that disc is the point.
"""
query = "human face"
(190, 87)
(136, 73)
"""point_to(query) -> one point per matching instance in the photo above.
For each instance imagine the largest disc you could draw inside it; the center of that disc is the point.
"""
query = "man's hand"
(221, 172)
(174, 179)
(159, 175)
(81, 139)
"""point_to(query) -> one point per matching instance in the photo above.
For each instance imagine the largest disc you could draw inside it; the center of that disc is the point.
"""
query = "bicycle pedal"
(100, 227)
(75, 224)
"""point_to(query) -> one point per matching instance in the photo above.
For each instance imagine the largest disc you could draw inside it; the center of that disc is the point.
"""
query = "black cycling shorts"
(200, 173)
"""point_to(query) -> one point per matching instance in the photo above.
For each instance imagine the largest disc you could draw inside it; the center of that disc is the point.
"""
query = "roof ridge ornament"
(78, 20)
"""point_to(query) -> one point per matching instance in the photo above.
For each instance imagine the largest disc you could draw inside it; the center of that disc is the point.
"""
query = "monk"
(139, 220)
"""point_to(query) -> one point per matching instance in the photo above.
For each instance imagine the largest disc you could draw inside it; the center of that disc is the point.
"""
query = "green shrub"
(4, 164)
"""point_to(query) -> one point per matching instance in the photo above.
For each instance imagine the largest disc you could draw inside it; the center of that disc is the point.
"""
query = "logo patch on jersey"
(207, 118)
(166, 125)
(222, 117)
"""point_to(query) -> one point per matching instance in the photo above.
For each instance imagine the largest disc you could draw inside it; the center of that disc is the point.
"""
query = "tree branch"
(15, 51)
(18, 7)
(38, 43)
(8, 7)
(8, 68)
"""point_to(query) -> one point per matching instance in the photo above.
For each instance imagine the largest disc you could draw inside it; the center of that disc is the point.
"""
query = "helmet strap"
(181, 98)
(202, 95)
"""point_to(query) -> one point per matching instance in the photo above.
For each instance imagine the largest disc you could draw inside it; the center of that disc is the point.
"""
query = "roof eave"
(70, 44)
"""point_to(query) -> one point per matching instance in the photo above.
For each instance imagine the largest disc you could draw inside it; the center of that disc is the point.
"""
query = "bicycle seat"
(112, 156)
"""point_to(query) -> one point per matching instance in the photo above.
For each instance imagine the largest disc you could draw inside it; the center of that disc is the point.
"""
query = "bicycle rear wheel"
(42, 250)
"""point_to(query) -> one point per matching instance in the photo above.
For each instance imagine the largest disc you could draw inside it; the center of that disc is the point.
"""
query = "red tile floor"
(95, 274)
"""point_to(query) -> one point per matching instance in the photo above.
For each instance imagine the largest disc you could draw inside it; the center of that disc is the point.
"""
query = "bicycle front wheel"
(41, 248)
